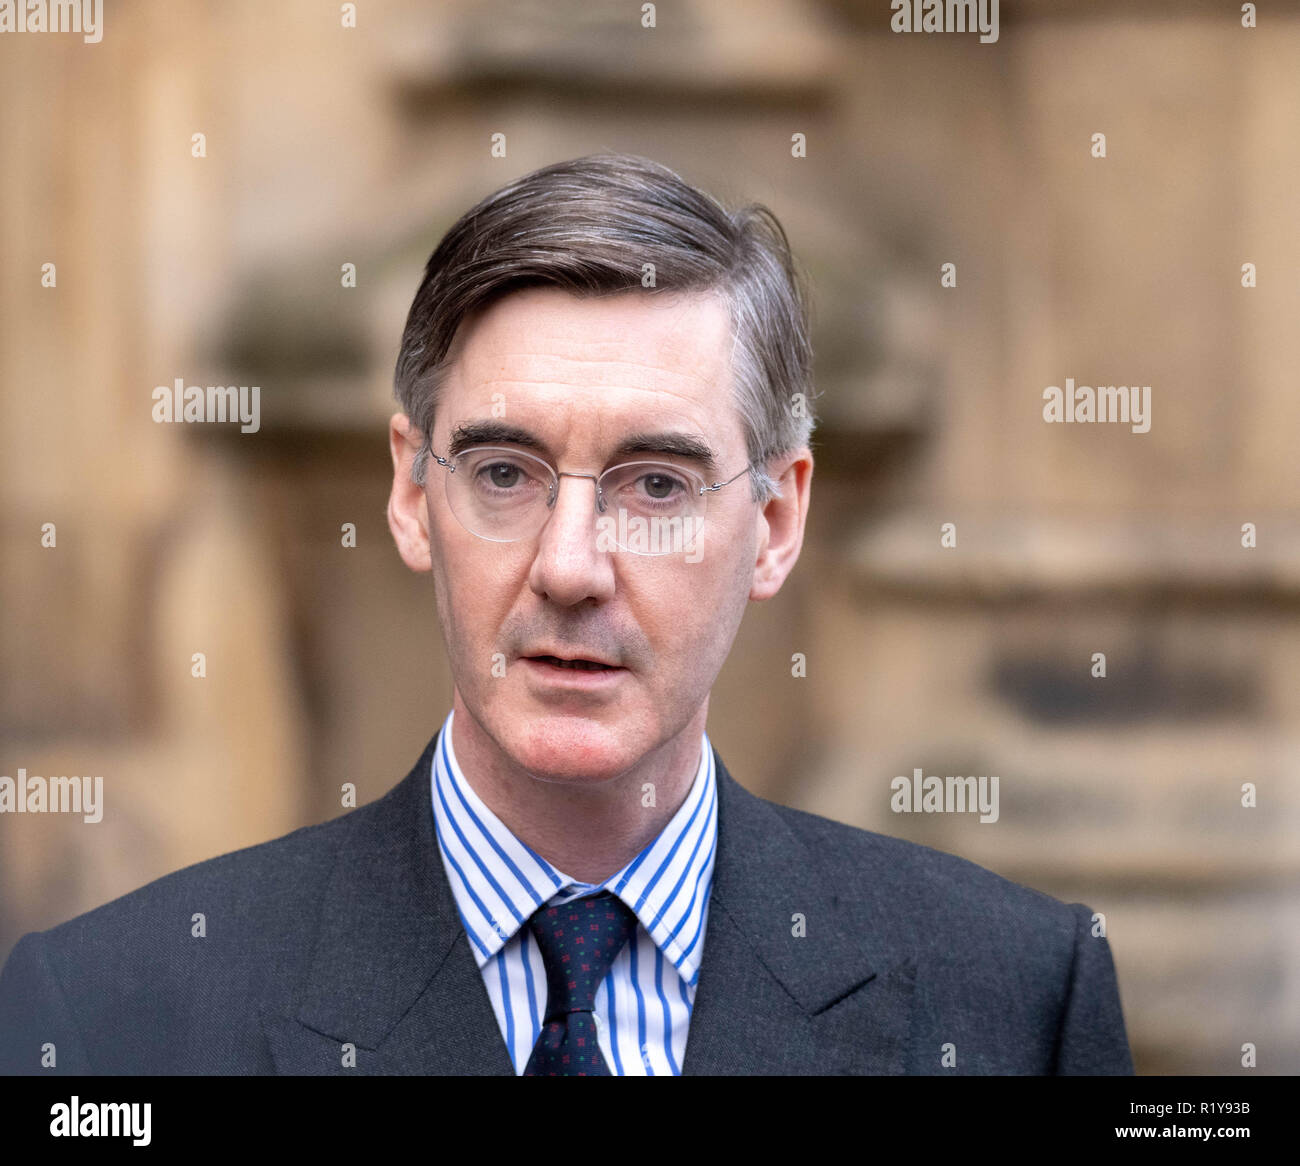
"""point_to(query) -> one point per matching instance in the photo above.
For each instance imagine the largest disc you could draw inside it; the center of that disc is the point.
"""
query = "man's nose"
(568, 567)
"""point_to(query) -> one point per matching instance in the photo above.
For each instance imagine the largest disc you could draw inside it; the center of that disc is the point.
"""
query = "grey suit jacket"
(347, 932)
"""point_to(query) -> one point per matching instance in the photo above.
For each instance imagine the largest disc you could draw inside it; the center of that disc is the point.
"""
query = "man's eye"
(661, 486)
(501, 475)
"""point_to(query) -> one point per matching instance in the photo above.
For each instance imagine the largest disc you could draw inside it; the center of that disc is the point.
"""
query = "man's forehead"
(540, 338)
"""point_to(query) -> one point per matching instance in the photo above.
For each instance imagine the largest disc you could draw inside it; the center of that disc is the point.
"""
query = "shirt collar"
(498, 881)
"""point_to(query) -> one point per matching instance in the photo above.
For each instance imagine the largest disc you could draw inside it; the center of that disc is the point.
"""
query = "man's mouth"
(578, 665)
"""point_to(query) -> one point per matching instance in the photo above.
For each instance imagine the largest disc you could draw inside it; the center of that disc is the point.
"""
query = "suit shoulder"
(177, 971)
(919, 878)
(270, 880)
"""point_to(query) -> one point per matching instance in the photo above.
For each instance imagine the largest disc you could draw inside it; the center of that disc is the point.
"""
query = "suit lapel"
(772, 1001)
(392, 972)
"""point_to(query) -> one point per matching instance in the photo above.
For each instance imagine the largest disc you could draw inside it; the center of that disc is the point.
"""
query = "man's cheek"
(456, 616)
(478, 612)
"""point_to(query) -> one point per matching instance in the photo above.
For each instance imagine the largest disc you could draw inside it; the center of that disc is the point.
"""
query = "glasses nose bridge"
(600, 493)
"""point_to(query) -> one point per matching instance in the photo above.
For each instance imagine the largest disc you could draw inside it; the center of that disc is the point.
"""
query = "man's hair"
(591, 226)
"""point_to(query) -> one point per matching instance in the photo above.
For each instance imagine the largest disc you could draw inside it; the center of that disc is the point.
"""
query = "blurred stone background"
(328, 145)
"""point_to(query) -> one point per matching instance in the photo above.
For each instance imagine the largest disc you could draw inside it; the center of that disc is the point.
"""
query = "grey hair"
(588, 226)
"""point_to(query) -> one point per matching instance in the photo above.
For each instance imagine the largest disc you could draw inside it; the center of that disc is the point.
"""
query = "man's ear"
(781, 523)
(408, 515)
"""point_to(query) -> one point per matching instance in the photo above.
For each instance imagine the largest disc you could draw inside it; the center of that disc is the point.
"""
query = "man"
(603, 456)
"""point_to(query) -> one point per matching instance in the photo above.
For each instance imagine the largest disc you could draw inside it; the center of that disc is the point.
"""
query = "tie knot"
(579, 942)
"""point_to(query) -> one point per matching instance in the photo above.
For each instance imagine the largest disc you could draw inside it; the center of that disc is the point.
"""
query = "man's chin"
(573, 749)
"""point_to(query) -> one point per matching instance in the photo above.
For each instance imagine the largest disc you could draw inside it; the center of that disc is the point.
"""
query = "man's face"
(578, 379)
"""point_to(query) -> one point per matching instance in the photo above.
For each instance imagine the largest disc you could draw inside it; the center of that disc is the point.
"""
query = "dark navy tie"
(579, 942)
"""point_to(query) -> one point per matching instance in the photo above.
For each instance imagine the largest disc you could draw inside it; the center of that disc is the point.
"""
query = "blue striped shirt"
(643, 1007)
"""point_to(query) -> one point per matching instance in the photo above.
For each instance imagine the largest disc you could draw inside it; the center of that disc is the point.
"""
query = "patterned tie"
(579, 943)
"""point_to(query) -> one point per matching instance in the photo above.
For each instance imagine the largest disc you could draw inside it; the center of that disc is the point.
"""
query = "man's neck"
(587, 832)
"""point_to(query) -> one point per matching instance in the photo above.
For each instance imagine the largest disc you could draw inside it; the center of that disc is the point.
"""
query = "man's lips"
(552, 675)
(575, 663)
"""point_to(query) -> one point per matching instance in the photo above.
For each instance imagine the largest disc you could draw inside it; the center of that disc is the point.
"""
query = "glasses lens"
(646, 508)
(651, 508)
(501, 495)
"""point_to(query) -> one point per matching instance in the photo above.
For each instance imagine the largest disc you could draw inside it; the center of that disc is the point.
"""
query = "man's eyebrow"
(470, 433)
(683, 445)
(688, 446)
